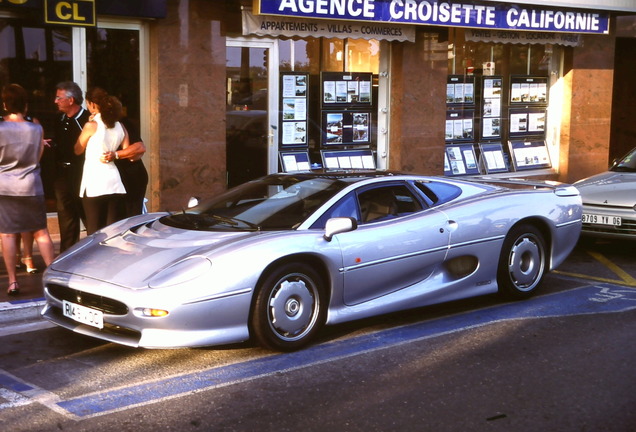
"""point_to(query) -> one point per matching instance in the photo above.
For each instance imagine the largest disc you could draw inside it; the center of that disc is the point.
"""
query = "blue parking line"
(10, 383)
(604, 298)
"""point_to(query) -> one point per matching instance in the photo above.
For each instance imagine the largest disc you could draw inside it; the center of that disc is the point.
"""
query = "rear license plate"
(601, 220)
(84, 315)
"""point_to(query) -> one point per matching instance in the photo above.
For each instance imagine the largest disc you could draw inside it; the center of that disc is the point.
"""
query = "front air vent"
(104, 304)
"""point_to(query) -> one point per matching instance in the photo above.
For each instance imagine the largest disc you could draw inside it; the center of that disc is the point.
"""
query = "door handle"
(452, 225)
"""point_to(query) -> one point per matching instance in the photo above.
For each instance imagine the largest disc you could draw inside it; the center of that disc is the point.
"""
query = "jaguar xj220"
(277, 258)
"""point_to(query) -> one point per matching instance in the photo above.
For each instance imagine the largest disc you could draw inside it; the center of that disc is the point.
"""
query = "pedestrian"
(21, 190)
(68, 99)
(132, 170)
(101, 187)
(24, 241)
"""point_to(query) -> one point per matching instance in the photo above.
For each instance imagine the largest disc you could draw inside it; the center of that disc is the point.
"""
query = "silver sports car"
(609, 201)
(277, 258)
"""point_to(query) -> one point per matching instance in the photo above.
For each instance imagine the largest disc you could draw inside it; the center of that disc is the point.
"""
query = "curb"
(20, 311)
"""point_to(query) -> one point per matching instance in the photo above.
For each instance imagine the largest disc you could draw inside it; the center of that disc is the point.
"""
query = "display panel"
(346, 127)
(294, 161)
(460, 90)
(493, 158)
(460, 125)
(460, 160)
(530, 154)
(293, 116)
(528, 89)
(527, 122)
(491, 107)
(348, 159)
(346, 89)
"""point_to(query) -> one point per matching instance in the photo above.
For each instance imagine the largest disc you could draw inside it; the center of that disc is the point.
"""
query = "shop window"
(333, 55)
(314, 55)
(340, 59)
(37, 58)
(470, 58)
(109, 47)
(363, 55)
(496, 106)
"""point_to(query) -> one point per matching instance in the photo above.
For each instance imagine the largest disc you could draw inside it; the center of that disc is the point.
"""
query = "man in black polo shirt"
(69, 166)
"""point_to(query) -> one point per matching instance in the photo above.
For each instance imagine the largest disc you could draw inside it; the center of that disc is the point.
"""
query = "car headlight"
(181, 272)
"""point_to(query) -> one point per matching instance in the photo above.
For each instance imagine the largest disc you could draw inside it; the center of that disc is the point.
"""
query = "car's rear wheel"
(289, 308)
(523, 262)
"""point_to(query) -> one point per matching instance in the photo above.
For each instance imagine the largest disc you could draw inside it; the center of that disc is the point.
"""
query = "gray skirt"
(22, 214)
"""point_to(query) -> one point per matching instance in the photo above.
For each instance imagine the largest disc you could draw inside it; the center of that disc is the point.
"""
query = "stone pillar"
(418, 105)
(587, 110)
(188, 99)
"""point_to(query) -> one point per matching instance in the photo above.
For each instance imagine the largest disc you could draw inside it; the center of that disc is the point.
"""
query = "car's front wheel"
(523, 262)
(289, 308)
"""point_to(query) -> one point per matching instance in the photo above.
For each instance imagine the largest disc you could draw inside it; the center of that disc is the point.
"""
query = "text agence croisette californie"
(434, 12)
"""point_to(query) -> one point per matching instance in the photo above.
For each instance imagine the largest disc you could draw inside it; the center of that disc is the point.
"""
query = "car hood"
(131, 257)
(609, 188)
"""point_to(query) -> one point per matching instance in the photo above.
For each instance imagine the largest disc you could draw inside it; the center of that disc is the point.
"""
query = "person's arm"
(42, 141)
(112, 155)
(87, 131)
(133, 152)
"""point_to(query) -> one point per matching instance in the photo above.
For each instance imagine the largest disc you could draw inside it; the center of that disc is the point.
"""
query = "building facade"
(226, 91)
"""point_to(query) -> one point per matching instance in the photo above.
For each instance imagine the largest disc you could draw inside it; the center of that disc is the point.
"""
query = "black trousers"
(68, 205)
(102, 211)
(135, 179)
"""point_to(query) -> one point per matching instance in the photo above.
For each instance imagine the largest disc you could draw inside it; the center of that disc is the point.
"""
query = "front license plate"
(601, 220)
(84, 315)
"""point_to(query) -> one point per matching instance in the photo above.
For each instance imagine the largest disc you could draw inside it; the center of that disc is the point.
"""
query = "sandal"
(29, 266)
(14, 288)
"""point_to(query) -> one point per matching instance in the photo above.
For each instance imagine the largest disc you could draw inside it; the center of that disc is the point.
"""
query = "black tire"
(523, 262)
(290, 308)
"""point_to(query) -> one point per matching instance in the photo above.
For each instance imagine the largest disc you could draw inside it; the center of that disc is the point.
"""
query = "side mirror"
(339, 225)
(193, 202)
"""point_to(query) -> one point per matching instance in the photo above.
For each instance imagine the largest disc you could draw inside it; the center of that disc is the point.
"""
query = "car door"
(397, 244)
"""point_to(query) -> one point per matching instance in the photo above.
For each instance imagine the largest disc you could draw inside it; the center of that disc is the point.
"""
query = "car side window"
(346, 207)
(386, 202)
(438, 192)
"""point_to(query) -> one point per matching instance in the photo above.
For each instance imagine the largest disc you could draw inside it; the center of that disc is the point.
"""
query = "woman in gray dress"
(22, 205)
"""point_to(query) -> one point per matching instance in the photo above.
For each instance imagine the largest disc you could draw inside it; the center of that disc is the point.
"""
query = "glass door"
(251, 109)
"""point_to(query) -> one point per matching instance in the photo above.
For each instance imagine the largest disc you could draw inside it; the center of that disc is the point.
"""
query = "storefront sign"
(504, 36)
(289, 27)
(72, 12)
(502, 16)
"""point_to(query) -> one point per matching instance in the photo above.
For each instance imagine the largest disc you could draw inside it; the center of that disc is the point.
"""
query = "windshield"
(627, 163)
(273, 203)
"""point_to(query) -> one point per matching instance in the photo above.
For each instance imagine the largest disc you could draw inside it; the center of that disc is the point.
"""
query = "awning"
(280, 26)
(526, 37)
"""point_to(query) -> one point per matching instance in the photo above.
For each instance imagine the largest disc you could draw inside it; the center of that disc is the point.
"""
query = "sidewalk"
(25, 307)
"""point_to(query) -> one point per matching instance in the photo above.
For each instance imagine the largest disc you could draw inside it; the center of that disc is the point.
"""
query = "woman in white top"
(101, 189)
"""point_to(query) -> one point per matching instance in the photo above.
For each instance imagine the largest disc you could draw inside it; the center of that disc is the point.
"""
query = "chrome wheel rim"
(293, 307)
(526, 263)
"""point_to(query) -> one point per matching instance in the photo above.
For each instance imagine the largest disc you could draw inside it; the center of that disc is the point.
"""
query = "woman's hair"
(109, 106)
(14, 97)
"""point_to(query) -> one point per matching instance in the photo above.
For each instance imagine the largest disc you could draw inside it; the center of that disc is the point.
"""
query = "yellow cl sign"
(72, 12)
